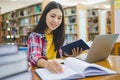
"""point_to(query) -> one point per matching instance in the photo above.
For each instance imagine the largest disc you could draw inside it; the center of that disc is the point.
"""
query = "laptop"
(100, 49)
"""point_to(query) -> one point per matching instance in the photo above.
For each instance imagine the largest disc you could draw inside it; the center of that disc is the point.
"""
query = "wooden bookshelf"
(115, 19)
(99, 22)
(80, 22)
(93, 23)
(108, 23)
(0, 27)
(116, 49)
(74, 15)
(16, 24)
(115, 23)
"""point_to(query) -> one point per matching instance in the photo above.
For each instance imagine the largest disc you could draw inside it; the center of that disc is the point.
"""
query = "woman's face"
(53, 19)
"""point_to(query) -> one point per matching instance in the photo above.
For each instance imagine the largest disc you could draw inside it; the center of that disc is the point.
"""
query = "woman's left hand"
(76, 51)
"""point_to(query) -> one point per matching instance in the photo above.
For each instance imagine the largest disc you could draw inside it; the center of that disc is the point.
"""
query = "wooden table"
(113, 62)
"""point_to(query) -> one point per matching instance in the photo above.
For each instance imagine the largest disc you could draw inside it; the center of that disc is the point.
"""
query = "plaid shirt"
(36, 47)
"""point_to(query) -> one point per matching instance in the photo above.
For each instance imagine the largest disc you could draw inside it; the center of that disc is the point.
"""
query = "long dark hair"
(59, 33)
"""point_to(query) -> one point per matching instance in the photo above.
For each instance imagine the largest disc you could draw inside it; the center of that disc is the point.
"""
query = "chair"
(116, 49)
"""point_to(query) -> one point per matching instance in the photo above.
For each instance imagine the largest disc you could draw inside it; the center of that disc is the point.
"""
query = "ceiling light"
(89, 2)
(13, 0)
(107, 6)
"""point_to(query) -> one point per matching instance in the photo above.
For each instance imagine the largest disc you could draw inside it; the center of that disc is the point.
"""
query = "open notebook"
(100, 49)
(73, 69)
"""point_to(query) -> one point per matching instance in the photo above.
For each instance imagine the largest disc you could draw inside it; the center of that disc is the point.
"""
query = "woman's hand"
(54, 66)
(76, 51)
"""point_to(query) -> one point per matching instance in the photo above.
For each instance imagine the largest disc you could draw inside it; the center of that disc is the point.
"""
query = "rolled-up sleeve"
(36, 47)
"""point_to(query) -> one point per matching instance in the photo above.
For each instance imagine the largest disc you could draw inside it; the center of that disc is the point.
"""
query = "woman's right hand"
(54, 66)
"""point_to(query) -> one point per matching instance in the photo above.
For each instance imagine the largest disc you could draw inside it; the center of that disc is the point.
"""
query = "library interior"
(83, 19)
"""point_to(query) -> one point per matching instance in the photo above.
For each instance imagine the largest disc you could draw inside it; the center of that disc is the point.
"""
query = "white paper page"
(87, 69)
(77, 65)
(67, 74)
(95, 69)
(57, 60)
(82, 56)
(89, 43)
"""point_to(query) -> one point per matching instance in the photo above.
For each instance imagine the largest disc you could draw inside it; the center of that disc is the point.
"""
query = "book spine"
(13, 68)
(8, 49)
(12, 58)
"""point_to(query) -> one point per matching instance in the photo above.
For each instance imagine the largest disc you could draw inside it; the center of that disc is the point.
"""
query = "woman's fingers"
(73, 52)
(76, 51)
(81, 50)
(54, 67)
(58, 67)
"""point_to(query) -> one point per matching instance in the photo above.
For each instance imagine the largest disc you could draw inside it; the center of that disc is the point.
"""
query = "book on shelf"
(24, 22)
(36, 18)
(21, 13)
(79, 43)
(37, 8)
(14, 31)
(31, 10)
(32, 20)
(73, 69)
(25, 11)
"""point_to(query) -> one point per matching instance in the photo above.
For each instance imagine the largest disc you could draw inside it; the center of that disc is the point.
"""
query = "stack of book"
(13, 64)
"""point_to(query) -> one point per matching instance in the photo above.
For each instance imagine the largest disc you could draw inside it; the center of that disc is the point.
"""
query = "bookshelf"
(70, 23)
(74, 15)
(80, 22)
(98, 22)
(0, 27)
(108, 22)
(93, 17)
(115, 23)
(16, 24)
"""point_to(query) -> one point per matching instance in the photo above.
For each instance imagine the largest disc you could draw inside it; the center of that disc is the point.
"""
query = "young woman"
(47, 37)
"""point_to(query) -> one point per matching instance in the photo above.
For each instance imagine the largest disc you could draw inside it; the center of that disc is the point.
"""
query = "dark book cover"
(79, 43)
